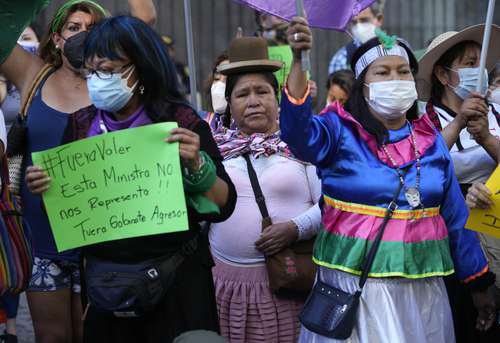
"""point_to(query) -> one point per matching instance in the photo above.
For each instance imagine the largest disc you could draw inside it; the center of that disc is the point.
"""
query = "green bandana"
(15, 16)
(62, 10)
(387, 41)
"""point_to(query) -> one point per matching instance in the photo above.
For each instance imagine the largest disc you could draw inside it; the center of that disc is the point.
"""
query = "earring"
(141, 89)
(57, 47)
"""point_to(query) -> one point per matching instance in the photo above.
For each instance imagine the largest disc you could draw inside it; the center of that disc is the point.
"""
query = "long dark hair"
(356, 104)
(119, 37)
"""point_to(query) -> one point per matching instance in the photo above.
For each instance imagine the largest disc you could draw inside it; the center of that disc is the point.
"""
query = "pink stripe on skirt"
(249, 311)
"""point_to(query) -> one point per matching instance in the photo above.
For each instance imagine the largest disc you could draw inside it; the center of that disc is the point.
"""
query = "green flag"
(15, 16)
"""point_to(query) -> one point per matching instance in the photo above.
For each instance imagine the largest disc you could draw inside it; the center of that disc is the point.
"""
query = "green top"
(15, 16)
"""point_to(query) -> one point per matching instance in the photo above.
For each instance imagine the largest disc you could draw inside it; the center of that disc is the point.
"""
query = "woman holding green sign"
(168, 287)
(54, 79)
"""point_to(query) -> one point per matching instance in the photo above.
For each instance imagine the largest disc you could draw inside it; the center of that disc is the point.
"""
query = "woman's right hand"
(472, 107)
(478, 196)
(37, 180)
(299, 36)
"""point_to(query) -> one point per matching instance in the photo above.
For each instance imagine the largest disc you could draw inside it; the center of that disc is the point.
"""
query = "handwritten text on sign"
(118, 185)
(488, 221)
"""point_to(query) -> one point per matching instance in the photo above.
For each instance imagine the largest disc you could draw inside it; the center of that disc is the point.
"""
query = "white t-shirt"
(472, 163)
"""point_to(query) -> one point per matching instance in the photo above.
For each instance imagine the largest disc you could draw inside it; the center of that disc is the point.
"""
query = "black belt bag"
(132, 289)
(331, 312)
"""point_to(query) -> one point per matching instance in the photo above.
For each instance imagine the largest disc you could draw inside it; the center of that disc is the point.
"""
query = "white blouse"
(472, 163)
(291, 189)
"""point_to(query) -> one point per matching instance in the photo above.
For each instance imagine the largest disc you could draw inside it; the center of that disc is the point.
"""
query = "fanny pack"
(330, 311)
(132, 289)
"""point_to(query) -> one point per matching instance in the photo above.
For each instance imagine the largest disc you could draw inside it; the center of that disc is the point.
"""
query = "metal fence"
(215, 23)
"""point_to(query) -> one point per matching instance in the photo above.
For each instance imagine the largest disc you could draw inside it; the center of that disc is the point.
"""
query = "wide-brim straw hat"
(446, 41)
(248, 55)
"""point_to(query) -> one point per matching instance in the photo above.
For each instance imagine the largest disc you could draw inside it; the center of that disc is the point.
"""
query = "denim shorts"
(52, 275)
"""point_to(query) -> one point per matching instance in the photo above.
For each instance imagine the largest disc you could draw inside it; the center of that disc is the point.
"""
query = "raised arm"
(18, 65)
(144, 10)
(311, 138)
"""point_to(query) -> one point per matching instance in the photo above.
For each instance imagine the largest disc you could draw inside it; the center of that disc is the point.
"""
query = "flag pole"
(305, 54)
(484, 48)
(190, 53)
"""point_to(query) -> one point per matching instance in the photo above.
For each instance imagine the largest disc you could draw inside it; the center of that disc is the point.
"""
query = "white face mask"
(495, 96)
(469, 78)
(391, 99)
(364, 31)
(218, 92)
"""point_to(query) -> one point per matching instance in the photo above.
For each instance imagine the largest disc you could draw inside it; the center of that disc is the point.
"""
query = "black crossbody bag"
(133, 289)
(331, 312)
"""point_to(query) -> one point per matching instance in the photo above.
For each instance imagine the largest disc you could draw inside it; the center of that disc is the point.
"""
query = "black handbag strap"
(370, 257)
(257, 191)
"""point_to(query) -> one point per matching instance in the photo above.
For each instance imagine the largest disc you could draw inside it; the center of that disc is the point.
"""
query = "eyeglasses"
(104, 75)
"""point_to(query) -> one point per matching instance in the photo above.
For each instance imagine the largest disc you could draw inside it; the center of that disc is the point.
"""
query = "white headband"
(377, 52)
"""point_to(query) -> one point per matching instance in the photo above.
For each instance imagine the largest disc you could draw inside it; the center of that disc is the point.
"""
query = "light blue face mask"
(110, 92)
(469, 77)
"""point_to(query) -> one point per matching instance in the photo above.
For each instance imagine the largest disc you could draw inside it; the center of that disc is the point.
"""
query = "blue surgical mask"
(110, 92)
(469, 77)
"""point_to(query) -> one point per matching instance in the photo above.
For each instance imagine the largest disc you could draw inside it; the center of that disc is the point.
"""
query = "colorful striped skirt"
(393, 310)
(248, 310)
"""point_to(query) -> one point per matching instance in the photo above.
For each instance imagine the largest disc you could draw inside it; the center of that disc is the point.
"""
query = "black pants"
(189, 305)
(465, 315)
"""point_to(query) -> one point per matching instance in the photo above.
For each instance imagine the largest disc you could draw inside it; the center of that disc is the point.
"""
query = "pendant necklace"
(412, 194)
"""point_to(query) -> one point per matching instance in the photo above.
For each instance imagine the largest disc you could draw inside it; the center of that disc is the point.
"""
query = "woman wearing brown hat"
(376, 156)
(447, 79)
(248, 310)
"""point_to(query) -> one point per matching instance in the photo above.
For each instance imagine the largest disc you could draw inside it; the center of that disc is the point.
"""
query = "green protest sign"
(117, 185)
(281, 53)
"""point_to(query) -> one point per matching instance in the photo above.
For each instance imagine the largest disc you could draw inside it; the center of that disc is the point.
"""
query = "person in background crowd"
(125, 48)
(404, 299)
(273, 30)
(181, 68)
(362, 28)
(447, 79)
(10, 98)
(216, 91)
(338, 86)
(248, 310)
(9, 303)
(54, 290)
(10, 101)
(494, 90)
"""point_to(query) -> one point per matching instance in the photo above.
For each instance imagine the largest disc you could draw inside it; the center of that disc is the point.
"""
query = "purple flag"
(324, 14)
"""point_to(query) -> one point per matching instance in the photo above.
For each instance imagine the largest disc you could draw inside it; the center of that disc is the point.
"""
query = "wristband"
(202, 180)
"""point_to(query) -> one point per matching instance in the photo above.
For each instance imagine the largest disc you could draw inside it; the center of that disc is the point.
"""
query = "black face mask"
(73, 49)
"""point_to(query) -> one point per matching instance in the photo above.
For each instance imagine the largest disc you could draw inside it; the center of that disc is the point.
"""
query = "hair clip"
(387, 41)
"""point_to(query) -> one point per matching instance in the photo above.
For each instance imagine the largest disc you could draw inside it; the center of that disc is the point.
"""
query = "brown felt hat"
(248, 55)
(446, 41)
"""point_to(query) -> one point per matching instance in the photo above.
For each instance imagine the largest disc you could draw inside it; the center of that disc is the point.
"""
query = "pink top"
(291, 188)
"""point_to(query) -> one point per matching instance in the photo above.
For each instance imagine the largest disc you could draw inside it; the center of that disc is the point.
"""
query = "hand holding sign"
(118, 185)
(484, 218)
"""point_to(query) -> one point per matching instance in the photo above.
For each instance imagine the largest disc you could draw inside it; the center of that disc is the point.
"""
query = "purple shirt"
(104, 123)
